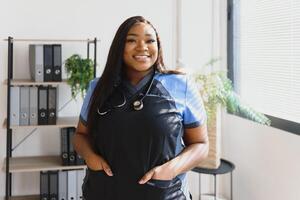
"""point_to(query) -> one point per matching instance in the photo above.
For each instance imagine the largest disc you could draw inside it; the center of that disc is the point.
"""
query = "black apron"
(134, 142)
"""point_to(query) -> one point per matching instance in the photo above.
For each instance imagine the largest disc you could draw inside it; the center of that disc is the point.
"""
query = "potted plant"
(217, 91)
(80, 71)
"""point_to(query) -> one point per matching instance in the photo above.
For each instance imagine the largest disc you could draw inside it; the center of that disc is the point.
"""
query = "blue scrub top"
(182, 90)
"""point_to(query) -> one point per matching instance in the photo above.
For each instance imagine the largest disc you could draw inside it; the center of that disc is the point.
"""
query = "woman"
(141, 126)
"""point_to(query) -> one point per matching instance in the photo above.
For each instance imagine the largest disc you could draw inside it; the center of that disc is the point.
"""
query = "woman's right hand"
(97, 163)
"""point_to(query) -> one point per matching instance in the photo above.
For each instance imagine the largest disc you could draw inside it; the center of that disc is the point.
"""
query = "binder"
(62, 185)
(72, 185)
(72, 154)
(24, 105)
(42, 105)
(36, 62)
(44, 185)
(33, 105)
(53, 185)
(79, 181)
(51, 105)
(56, 73)
(64, 146)
(79, 159)
(14, 106)
(48, 62)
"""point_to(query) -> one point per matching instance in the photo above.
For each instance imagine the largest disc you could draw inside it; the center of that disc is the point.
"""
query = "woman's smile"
(142, 58)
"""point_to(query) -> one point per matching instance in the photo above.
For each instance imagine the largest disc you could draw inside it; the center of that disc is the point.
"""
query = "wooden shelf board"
(20, 82)
(61, 122)
(38, 163)
(25, 197)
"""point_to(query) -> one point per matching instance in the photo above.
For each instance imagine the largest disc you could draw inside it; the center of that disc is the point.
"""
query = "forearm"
(189, 158)
(82, 145)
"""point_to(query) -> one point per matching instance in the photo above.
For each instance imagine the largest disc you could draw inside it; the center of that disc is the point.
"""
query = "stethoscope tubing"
(137, 104)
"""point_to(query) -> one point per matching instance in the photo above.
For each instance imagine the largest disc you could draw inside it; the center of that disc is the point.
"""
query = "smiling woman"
(140, 152)
(141, 51)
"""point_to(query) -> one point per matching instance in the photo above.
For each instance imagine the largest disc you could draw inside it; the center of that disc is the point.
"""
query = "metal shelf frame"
(10, 45)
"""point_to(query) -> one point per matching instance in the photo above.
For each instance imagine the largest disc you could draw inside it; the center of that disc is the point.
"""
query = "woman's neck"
(134, 77)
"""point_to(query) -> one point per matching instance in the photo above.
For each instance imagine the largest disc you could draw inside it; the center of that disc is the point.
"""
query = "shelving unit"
(28, 197)
(39, 163)
(35, 163)
(62, 122)
(21, 82)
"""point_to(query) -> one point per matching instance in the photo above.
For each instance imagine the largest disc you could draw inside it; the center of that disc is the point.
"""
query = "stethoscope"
(137, 104)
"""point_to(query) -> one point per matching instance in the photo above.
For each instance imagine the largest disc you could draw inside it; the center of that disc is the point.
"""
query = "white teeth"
(141, 57)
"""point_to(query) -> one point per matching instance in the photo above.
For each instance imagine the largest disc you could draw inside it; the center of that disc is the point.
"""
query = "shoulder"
(172, 79)
(93, 83)
(185, 80)
(174, 84)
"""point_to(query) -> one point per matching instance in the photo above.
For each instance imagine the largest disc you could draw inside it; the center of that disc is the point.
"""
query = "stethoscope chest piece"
(138, 105)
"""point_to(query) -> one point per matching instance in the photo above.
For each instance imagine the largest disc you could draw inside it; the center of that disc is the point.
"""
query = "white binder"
(36, 62)
(62, 185)
(72, 185)
(14, 106)
(24, 105)
(33, 105)
(80, 177)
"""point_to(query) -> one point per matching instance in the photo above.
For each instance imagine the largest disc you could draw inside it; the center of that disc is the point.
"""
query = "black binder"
(53, 185)
(72, 154)
(64, 146)
(48, 62)
(56, 72)
(79, 159)
(44, 185)
(51, 105)
(42, 105)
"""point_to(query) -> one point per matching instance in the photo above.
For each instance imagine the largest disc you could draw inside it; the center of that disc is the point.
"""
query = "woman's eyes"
(150, 41)
(130, 40)
(147, 41)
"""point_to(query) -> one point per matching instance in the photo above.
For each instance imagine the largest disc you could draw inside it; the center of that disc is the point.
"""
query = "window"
(264, 57)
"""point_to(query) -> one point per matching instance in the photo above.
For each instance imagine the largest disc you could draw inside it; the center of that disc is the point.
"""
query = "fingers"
(106, 168)
(146, 177)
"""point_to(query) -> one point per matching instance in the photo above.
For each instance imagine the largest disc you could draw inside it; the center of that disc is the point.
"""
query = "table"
(224, 168)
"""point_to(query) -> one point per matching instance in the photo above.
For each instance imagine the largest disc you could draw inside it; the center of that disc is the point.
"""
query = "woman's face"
(141, 49)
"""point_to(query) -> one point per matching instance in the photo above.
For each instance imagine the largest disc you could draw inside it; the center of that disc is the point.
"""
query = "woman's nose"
(141, 45)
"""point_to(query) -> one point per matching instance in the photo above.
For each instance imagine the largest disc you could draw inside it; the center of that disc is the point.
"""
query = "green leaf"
(216, 89)
(80, 72)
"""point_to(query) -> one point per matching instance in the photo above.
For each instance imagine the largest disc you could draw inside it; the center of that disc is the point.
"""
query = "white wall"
(196, 33)
(267, 160)
(65, 19)
(87, 19)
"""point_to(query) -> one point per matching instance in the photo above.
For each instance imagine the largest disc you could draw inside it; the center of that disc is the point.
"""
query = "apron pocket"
(160, 183)
(98, 186)
(164, 190)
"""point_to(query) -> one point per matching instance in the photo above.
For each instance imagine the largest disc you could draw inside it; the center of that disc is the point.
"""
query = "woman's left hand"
(162, 172)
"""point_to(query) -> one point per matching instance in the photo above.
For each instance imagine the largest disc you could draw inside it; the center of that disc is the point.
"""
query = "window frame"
(283, 124)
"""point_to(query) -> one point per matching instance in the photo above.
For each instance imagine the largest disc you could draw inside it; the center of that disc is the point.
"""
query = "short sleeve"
(85, 106)
(194, 114)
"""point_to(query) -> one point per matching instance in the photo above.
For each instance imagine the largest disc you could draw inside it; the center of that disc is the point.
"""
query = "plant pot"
(213, 159)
